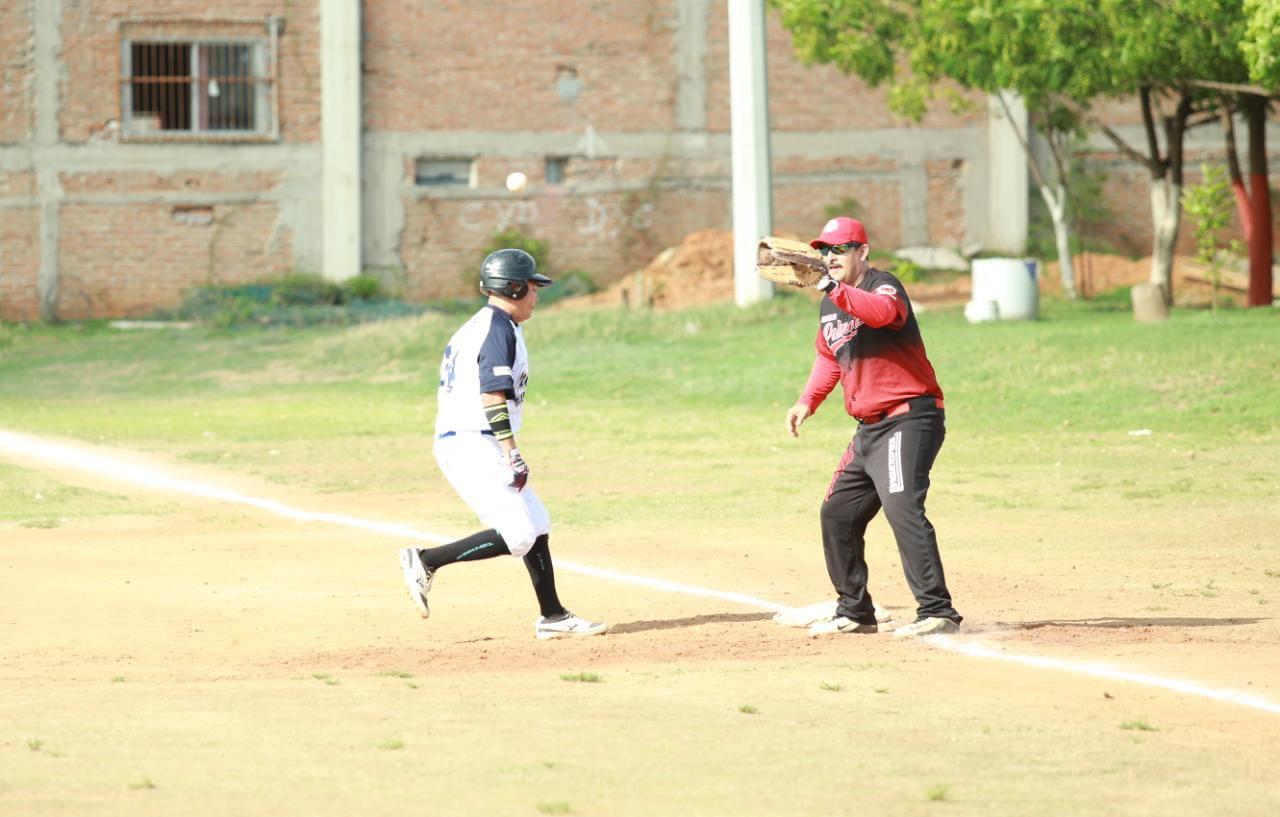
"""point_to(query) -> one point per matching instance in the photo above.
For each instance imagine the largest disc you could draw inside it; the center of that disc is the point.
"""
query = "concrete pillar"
(752, 179)
(342, 121)
(691, 64)
(914, 218)
(47, 17)
(1008, 202)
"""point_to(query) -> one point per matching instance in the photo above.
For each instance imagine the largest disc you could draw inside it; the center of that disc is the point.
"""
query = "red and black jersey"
(869, 341)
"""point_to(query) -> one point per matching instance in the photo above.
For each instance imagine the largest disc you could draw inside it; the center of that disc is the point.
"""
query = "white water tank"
(1004, 289)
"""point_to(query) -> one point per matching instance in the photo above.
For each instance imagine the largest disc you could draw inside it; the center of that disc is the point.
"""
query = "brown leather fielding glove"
(793, 263)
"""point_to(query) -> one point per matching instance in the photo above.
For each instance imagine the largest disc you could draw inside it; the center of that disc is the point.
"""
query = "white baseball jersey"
(486, 355)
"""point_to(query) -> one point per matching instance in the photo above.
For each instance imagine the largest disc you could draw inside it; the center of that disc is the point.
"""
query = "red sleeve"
(884, 307)
(822, 378)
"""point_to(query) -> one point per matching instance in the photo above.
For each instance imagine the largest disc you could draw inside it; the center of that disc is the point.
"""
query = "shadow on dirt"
(692, 621)
(1130, 623)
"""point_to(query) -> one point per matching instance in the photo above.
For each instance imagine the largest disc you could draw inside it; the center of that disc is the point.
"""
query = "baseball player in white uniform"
(483, 377)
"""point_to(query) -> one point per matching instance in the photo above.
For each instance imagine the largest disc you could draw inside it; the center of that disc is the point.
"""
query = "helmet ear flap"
(514, 290)
(509, 273)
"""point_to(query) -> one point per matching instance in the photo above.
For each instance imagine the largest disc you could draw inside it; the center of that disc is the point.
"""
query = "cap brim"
(541, 280)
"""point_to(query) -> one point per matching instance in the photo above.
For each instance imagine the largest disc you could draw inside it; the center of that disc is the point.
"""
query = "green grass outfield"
(166, 655)
(694, 393)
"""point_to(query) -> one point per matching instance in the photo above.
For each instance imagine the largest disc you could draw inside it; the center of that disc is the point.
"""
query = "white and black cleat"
(417, 577)
(568, 626)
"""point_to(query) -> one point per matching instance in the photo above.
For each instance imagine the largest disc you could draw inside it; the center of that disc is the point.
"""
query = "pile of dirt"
(695, 272)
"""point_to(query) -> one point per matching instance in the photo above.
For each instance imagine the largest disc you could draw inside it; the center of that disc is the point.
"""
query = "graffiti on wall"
(590, 216)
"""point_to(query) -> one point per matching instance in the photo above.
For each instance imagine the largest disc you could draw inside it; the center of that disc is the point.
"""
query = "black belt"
(453, 433)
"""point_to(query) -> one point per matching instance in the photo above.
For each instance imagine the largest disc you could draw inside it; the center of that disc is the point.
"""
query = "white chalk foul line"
(1102, 671)
(81, 460)
(673, 587)
(150, 478)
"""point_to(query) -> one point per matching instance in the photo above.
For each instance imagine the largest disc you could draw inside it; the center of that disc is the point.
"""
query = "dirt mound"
(697, 271)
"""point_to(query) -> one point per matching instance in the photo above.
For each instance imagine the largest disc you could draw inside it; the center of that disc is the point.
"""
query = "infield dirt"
(196, 657)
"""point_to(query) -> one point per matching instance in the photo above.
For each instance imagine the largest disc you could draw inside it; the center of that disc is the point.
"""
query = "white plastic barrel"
(1008, 283)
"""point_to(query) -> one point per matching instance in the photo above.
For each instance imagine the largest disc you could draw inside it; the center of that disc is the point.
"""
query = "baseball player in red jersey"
(869, 342)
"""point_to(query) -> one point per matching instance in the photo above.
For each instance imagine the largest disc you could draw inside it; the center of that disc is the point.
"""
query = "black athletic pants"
(886, 465)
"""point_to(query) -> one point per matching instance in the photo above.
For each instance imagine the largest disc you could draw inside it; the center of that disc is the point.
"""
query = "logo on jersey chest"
(839, 332)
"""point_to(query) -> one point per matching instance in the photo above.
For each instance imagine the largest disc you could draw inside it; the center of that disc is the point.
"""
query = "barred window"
(207, 88)
(555, 169)
(440, 172)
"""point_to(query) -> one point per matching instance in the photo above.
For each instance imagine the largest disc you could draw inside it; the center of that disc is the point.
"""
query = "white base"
(804, 616)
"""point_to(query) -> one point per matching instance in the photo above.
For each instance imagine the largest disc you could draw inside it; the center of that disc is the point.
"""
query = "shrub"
(306, 289)
(362, 288)
(298, 299)
(907, 271)
(568, 285)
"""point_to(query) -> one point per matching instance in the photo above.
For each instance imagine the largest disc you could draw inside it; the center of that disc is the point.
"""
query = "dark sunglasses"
(838, 249)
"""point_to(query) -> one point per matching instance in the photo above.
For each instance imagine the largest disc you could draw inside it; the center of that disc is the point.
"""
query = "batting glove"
(519, 469)
(825, 284)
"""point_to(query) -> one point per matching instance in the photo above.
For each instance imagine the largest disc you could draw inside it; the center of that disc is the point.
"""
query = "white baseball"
(517, 181)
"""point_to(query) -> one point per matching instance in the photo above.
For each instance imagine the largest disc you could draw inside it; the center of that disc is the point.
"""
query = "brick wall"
(946, 213)
(131, 240)
(125, 259)
(19, 263)
(608, 233)
(458, 65)
(19, 184)
(625, 57)
(16, 73)
(92, 34)
(808, 98)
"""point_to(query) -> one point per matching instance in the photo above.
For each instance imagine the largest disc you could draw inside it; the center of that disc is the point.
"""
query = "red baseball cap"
(841, 230)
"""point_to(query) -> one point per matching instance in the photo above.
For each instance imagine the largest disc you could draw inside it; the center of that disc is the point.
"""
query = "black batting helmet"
(509, 273)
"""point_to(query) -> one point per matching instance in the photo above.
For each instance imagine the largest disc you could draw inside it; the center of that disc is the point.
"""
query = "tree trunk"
(1166, 189)
(1238, 190)
(1260, 236)
(1057, 204)
(1166, 219)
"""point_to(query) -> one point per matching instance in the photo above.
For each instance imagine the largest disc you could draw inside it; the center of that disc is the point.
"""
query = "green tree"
(1209, 205)
(1261, 43)
(1038, 49)
(1035, 48)
(1062, 56)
